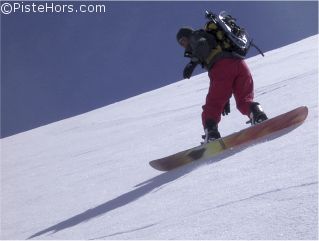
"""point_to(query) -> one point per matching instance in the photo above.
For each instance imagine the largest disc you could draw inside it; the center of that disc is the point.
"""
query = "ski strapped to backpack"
(228, 34)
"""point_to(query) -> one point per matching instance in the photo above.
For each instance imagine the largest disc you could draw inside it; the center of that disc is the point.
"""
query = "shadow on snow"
(150, 185)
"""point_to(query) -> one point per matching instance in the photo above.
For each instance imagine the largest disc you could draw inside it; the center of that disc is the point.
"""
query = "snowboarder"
(228, 74)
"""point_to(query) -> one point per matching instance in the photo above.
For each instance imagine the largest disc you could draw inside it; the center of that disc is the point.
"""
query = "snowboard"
(251, 134)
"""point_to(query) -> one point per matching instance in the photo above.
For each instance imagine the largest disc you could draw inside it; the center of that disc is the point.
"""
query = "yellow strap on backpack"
(213, 53)
(210, 26)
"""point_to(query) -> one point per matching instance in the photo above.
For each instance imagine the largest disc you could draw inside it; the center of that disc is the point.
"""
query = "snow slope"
(88, 177)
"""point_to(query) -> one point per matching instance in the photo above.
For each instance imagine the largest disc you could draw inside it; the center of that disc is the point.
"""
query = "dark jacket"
(203, 49)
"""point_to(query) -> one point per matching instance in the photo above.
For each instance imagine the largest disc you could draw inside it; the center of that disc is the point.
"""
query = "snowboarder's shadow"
(120, 201)
(148, 186)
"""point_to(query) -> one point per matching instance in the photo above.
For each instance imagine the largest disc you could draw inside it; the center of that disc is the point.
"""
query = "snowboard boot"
(257, 115)
(211, 132)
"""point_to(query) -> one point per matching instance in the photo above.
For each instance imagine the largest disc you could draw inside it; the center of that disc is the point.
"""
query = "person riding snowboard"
(229, 75)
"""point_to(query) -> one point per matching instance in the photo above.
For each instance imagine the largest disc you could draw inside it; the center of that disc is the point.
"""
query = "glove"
(226, 110)
(188, 70)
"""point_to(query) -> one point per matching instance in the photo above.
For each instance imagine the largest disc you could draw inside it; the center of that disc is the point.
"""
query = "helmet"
(184, 32)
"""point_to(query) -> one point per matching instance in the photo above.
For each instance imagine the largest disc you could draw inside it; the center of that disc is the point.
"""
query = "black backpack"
(228, 34)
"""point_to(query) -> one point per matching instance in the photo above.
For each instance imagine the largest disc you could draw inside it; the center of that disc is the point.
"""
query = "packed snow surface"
(88, 177)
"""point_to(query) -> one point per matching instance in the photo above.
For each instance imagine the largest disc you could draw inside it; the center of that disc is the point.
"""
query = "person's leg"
(243, 88)
(221, 77)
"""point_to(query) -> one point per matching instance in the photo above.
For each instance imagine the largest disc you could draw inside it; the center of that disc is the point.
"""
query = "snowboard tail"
(245, 136)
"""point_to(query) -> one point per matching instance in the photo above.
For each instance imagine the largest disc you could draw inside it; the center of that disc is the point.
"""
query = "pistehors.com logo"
(7, 8)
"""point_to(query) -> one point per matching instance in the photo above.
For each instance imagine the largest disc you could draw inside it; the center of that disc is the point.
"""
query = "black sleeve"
(202, 43)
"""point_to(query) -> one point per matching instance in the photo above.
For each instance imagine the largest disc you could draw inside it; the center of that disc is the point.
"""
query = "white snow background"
(88, 177)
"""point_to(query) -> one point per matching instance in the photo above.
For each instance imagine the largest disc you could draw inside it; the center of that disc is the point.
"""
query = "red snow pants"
(227, 77)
